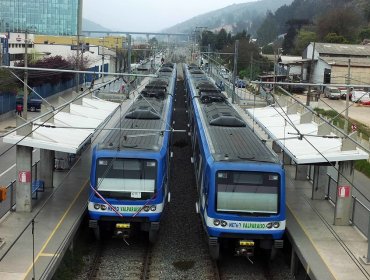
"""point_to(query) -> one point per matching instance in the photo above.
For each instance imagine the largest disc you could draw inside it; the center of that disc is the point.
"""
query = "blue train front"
(130, 169)
(240, 181)
(135, 184)
(242, 205)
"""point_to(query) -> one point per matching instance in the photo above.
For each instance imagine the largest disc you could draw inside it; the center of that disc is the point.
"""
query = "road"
(356, 111)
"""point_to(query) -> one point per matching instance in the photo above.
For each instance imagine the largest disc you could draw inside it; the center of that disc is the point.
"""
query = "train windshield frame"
(126, 178)
(248, 193)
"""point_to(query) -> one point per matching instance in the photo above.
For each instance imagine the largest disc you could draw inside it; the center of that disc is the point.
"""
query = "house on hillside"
(332, 62)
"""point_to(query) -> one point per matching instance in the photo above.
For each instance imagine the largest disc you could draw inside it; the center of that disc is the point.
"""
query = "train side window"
(196, 152)
(200, 171)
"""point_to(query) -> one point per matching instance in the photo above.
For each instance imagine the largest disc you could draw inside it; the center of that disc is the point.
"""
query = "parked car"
(343, 92)
(360, 96)
(220, 85)
(296, 88)
(224, 74)
(33, 104)
(240, 83)
(332, 92)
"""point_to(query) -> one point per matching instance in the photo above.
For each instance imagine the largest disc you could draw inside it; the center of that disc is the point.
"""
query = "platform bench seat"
(37, 186)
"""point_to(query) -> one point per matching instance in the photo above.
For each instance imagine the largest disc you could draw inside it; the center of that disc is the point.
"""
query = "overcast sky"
(148, 15)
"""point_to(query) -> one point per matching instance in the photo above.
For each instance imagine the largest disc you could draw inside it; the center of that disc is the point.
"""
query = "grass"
(363, 166)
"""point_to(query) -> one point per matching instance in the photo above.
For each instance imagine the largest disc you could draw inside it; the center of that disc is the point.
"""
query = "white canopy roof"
(91, 114)
(312, 148)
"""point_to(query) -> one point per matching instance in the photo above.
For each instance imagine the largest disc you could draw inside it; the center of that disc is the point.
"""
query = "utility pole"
(79, 27)
(209, 60)
(25, 84)
(116, 64)
(102, 56)
(235, 69)
(128, 87)
(347, 96)
(251, 68)
(311, 75)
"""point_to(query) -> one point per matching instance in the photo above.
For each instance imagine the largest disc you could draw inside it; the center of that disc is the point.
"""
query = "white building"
(331, 63)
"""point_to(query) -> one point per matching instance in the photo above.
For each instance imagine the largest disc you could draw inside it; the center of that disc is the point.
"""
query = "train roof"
(143, 125)
(228, 136)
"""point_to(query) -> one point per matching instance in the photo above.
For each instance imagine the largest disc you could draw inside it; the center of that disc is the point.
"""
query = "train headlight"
(153, 208)
(103, 207)
(97, 206)
(276, 224)
(223, 223)
(146, 208)
(269, 225)
(216, 222)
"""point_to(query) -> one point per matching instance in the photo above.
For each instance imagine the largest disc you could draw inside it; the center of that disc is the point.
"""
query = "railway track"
(114, 259)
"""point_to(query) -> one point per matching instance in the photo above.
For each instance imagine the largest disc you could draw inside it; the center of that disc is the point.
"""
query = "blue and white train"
(240, 181)
(130, 169)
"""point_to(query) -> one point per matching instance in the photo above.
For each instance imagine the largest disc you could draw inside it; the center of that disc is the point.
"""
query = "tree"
(364, 34)
(153, 41)
(221, 39)
(268, 30)
(36, 78)
(335, 38)
(303, 39)
(208, 38)
(341, 21)
(294, 26)
(8, 83)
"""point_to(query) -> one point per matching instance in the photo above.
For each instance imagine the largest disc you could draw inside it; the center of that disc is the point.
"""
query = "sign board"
(83, 47)
(24, 176)
(343, 191)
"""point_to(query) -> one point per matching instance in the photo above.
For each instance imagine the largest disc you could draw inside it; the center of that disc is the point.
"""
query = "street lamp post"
(25, 84)
(347, 96)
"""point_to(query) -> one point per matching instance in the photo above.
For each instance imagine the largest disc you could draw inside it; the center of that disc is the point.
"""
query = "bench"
(37, 186)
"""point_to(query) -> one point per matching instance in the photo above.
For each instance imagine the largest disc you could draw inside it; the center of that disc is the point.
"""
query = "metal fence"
(7, 102)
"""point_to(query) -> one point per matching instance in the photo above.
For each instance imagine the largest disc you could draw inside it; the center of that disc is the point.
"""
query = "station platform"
(325, 250)
(32, 244)
(32, 254)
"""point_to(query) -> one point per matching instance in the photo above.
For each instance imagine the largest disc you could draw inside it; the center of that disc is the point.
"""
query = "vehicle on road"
(296, 88)
(220, 85)
(240, 83)
(332, 92)
(343, 92)
(360, 96)
(224, 74)
(33, 104)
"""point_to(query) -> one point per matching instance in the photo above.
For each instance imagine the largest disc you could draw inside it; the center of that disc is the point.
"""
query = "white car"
(332, 92)
(360, 96)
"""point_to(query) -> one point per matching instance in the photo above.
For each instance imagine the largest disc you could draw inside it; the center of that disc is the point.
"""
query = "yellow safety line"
(49, 255)
(55, 229)
(312, 242)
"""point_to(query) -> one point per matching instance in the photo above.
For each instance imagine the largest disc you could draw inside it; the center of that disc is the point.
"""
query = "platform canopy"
(63, 134)
(314, 147)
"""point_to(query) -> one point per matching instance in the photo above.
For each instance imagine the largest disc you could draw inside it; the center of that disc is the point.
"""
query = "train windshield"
(248, 192)
(126, 178)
